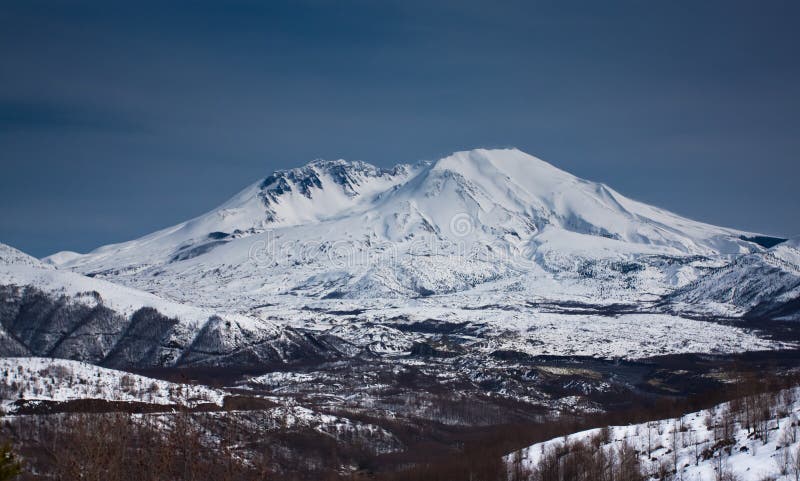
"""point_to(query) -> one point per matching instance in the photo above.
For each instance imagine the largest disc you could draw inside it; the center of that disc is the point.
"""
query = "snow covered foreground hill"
(756, 438)
(29, 380)
(476, 227)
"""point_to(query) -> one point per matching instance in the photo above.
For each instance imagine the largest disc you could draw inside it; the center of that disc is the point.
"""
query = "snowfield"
(630, 337)
(536, 333)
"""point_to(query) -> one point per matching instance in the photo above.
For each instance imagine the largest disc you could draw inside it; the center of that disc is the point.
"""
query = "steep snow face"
(498, 220)
(325, 189)
(508, 191)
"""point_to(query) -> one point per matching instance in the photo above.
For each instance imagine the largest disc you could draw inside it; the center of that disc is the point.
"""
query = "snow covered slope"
(42, 379)
(310, 194)
(699, 446)
(10, 256)
(498, 221)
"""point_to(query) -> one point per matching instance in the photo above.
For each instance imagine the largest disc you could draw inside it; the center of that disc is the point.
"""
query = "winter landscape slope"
(51, 312)
(727, 442)
(497, 226)
(337, 258)
(33, 379)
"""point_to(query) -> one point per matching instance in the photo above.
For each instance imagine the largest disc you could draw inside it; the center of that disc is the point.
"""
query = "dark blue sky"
(119, 119)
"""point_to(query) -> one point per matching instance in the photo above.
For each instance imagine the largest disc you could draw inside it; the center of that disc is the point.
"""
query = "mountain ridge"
(45, 311)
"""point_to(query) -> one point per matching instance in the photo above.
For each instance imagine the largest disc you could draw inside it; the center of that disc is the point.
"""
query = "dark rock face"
(776, 310)
(346, 175)
(58, 326)
(191, 251)
(212, 346)
(145, 342)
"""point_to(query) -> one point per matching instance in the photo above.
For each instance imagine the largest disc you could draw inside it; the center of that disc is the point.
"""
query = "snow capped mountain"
(503, 192)
(485, 236)
(483, 220)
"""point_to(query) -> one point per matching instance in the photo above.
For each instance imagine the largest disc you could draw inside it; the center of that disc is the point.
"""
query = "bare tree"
(695, 443)
(783, 461)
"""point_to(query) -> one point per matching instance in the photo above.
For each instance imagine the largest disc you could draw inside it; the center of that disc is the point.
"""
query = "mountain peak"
(509, 164)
